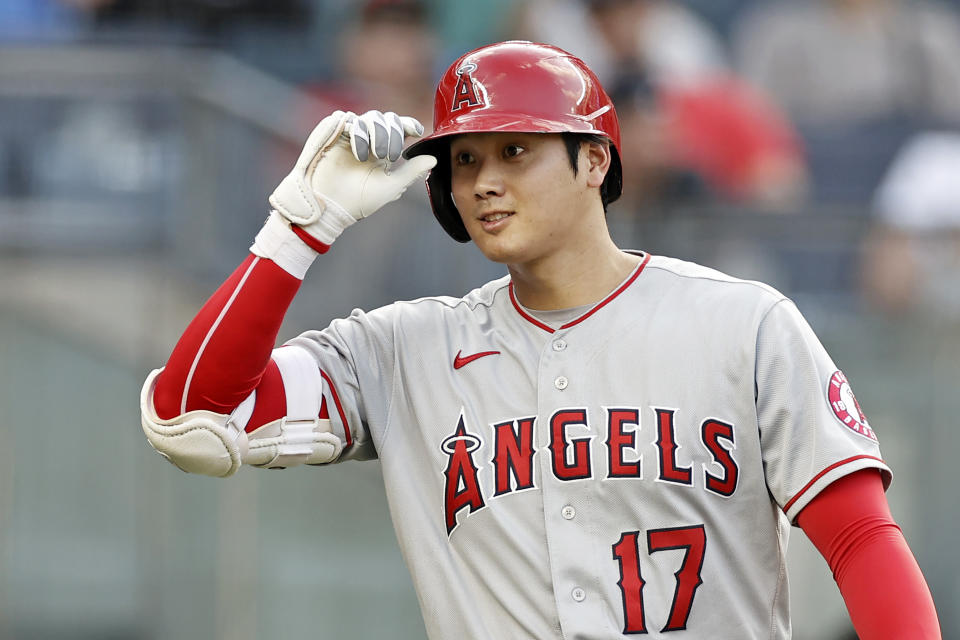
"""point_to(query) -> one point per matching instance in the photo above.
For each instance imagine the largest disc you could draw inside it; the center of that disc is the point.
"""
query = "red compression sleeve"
(886, 595)
(224, 352)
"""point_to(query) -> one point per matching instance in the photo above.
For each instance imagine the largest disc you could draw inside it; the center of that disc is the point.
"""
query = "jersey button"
(559, 344)
(560, 383)
(568, 512)
(579, 594)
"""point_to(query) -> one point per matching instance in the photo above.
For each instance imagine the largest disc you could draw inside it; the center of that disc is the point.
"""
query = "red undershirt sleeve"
(224, 354)
(886, 595)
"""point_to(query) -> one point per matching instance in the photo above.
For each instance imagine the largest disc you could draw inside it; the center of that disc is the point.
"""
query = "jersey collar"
(626, 283)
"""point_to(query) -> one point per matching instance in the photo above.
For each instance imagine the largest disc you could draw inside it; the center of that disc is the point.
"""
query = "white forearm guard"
(201, 442)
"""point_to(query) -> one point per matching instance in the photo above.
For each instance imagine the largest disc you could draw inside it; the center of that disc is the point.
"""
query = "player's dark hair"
(573, 141)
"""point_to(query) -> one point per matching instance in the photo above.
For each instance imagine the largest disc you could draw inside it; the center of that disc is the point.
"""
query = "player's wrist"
(333, 220)
(279, 242)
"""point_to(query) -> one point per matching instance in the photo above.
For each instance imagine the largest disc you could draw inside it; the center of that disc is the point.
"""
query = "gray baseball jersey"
(633, 470)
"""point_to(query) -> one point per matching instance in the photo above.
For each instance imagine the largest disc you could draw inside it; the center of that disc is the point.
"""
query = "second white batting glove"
(347, 170)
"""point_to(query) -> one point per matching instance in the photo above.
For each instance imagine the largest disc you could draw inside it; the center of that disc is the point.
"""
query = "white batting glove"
(346, 172)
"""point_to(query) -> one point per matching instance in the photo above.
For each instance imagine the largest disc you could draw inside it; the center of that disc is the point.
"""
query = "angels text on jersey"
(572, 435)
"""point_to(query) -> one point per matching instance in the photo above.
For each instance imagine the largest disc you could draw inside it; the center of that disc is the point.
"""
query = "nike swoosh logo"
(460, 361)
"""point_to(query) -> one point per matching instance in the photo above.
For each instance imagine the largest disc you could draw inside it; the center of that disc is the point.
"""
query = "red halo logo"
(846, 407)
(465, 92)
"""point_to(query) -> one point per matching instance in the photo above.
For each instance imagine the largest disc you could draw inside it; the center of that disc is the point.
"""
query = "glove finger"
(395, 140)
(379, 133)
(342, 118)
(322, 136)
(392, 181)
(411, 126)
(360, 139)
(405, 174)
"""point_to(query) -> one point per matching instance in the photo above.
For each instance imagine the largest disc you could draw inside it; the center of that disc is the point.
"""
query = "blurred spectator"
(618, 37)
(462, 25)
(691, 128)
(387, 61)
(651, 178)
(911, 261)
(732, 136)
(849, 61)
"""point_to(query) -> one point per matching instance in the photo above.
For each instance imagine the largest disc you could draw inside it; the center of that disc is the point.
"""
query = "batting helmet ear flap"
(612, 187)
(441, 198)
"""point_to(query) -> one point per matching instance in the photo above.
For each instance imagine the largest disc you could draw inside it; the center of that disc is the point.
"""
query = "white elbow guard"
(204, 442)
(301, 437)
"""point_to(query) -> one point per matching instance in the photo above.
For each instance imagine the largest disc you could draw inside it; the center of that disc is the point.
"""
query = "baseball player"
(602, 443)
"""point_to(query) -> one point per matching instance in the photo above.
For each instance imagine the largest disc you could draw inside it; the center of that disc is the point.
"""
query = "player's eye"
(512, 150)
(462, 158)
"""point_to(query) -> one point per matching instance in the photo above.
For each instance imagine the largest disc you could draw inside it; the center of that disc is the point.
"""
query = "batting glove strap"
(309, 240)
(331, 222)
(279, 242)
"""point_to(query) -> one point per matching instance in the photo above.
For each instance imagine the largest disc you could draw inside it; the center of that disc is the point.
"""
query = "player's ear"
(597, 158)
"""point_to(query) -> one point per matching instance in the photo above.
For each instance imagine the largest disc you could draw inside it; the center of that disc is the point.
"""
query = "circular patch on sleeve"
(846, 407)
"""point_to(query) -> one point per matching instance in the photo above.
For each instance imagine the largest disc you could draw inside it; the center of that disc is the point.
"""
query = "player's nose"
(489, 180)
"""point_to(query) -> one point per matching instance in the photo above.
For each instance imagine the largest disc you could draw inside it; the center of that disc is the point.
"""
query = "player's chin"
(503, 244)
(499, 248)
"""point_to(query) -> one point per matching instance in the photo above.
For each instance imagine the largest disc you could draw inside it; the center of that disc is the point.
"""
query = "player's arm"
(886, 595)
(226, 397)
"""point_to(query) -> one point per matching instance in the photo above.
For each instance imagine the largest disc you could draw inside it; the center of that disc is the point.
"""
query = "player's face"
(518, 196)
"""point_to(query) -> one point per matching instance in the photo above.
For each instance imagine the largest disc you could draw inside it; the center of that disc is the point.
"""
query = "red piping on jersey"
(526, 316)
(796, 497)
(336, 401)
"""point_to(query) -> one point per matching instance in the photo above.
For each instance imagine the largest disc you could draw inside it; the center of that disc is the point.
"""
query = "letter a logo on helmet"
(465, 92)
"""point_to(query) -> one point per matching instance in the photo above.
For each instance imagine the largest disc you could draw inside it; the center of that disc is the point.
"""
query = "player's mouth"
(494, 220)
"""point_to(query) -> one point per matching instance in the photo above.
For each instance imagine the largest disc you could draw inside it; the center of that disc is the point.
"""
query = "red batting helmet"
(514, 86)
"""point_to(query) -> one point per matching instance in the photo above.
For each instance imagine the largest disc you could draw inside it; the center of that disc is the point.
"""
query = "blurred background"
(811, 144)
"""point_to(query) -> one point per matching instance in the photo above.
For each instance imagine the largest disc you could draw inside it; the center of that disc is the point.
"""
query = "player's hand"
(347, 170)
